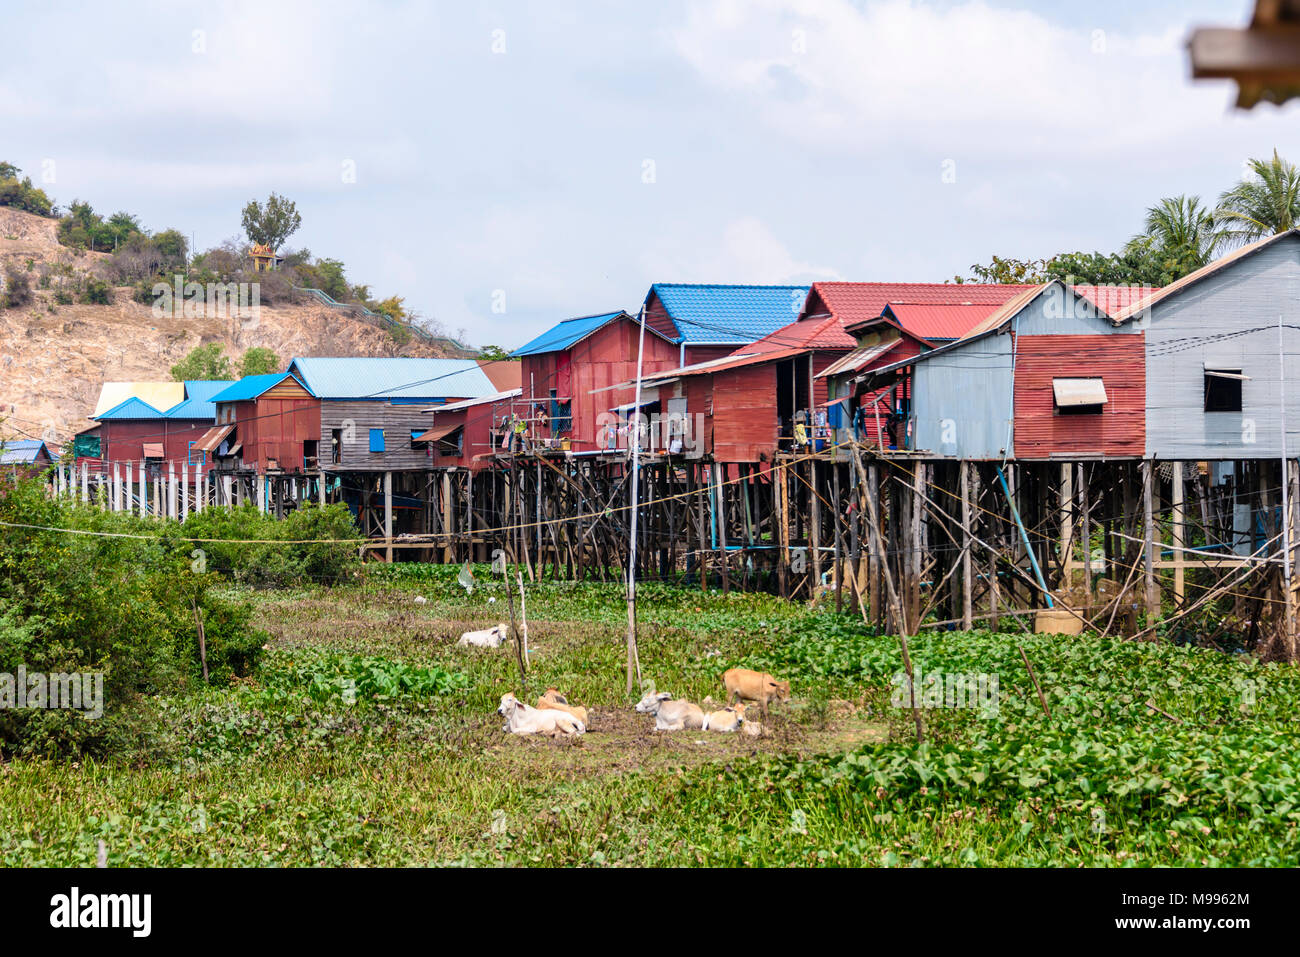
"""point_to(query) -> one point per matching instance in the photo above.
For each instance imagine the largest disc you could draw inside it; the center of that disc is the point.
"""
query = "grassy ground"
(368, 737)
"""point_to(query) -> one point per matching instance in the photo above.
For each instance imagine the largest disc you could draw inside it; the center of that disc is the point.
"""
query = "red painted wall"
(1117, 358)
(122, 440)
(605, 358)
(744, 413)
(274, 426)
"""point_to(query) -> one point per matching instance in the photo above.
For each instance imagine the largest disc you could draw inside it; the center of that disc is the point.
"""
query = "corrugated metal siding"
(962, 400)
(744, 413)
(1118, 360)
(124, 441)
(1059, 310)
(357, 417)
(604, 359)
(1246, 295)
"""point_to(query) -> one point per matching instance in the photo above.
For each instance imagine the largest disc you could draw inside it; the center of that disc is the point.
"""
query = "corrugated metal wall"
(744, 412)
(1229, 319)
(962, 401)
(356, 417)
(1119, 430)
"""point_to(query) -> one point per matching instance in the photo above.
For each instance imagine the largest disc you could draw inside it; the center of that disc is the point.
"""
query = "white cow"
(671, 715)
(521, 719)
(489, 638)
(725, 719)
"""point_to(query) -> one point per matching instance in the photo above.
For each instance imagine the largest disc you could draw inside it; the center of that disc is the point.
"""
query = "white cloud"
(897, 75)
(746, 252)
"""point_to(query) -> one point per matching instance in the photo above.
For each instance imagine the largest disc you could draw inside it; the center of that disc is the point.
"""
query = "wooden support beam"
(1148, 541)
(967, 578)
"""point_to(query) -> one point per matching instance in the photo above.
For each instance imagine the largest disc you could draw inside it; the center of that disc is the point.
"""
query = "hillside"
(54, 357)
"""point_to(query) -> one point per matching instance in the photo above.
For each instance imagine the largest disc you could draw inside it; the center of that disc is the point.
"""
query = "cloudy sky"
(503, 165)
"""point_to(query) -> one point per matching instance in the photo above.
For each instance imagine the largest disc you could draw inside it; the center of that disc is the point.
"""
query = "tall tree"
(259, 360)
(1181, 229)
(204, 362)
(272, 224)
(1266, 203)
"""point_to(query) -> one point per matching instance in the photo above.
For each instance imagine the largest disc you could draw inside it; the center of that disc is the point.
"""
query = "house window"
(376, 440)
(1223, 390)
(561, 415)
(336, 441)
(1078, 396)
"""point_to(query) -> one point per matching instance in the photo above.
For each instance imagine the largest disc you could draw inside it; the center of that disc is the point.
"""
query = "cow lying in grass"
(489, 638)
(521, 719)
(558, 702)
(725, 719)
(671, 715)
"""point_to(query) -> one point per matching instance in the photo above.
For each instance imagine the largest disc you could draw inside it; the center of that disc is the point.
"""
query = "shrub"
(121, 607)
(96, 292)
(264, 562)
(17, 290)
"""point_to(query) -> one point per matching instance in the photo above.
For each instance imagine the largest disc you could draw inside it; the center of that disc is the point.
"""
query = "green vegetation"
(17, 291)
(204, 362)
(271, 224)
(122, 606)
(1179, 235)
(366, 736)
(211, 362)
(259, 360)
(21, 194)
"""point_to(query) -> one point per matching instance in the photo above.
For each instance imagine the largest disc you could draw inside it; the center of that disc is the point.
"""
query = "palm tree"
(1264, 205)
(1179, 229)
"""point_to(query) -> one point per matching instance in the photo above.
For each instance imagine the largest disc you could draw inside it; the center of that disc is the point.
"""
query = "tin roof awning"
(153, 450)
(1074, 392)
(438, 432)
(212, 439)
(859, 357)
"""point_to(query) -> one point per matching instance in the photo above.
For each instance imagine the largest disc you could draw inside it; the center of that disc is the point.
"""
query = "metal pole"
(633, 661)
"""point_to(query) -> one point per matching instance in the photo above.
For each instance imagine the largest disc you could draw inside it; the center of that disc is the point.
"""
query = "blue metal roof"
(251, 386)
(728, 315)
(198, 402)
(21, 451)
(395, 379)
(565, 334)
(132, 408)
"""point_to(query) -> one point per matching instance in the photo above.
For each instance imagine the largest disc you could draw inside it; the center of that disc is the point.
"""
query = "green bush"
(120, 606)
(17, 289)
(248, 547)
(96, 292)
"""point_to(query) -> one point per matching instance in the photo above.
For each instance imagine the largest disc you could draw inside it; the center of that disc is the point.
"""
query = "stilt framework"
(1183, 550)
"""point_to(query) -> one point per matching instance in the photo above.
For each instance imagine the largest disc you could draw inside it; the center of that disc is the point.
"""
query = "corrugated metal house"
(571, 375)
(24, 457)
(745, 407)
(372, 409)
(265, 422)
(1216, 342)
(136, 431)
(710, 320)
(464, 434)
(892, 322)
(1050, 374)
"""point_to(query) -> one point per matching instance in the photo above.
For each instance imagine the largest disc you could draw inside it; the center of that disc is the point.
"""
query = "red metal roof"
(1112, 300)
(940, 321)
(811, 333)
(858, 302)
